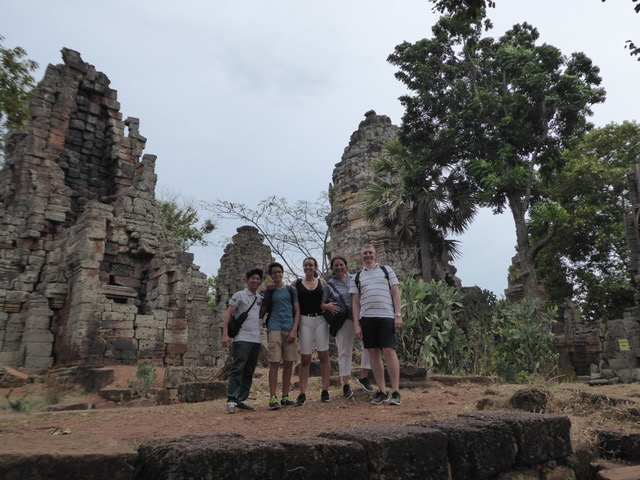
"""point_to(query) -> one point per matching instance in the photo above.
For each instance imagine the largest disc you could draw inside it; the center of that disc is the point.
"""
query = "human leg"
(303, 373)
(287, 369)
(344, 343)
(393, 367)
(377, 368)
(325, 369)
(249, 370)
(241, 353)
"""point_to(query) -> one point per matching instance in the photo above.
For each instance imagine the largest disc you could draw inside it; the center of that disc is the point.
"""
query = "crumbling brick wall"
(88, 272)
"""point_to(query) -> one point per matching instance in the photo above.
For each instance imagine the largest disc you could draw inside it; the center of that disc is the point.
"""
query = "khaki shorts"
(278, 349)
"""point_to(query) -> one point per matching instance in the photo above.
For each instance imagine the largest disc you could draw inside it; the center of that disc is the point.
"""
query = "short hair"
(254, 271)
(368, 245)
(338, 258)
(275, 265)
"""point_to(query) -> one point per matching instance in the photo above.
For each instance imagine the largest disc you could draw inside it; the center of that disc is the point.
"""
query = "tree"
(416, 199)
(471, 10)
(592, 192)
(183, 221)
(16, 85)
(503, 109)
(291, 231)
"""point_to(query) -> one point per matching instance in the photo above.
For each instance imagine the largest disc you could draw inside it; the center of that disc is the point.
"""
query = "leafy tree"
(504, 109)
(419, 200)
(291, 231)
(592, 193)
(16, 85)
(472, 10)
(183, 221)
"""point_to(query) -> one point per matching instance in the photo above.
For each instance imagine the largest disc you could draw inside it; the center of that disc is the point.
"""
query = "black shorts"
(378, 332)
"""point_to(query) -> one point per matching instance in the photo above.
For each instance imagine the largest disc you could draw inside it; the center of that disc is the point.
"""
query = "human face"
(339, 268)
(253, 282)
(309, 267)
(368, 256)
(276, 274)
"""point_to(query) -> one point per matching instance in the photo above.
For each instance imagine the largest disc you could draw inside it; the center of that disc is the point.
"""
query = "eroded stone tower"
(349, 229)
(87, 271)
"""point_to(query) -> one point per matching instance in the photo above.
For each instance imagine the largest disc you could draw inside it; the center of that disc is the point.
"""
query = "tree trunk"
(423, 241)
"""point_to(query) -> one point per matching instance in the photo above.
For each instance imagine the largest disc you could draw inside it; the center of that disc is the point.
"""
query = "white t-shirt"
(375, 292)
(250, 330)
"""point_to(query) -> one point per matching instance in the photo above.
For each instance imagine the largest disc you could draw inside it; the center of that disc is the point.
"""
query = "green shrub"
(145, 376)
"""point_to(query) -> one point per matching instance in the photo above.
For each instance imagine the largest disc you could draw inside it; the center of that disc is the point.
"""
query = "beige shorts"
(279, 349)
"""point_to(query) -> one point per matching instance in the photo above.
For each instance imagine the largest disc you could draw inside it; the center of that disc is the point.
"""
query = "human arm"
(397, 306)
(296, 322)
(355, 297)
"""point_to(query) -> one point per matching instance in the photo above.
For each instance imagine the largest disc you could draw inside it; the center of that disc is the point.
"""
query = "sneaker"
(231, 407)
(364, 383)
(347, 392)
(379, 398)
(324, 396)
(395, 399)
(286, 401)
(301, 400)
(246, 407)
(274, 404)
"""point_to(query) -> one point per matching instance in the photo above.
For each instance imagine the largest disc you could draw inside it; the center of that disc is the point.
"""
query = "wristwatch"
(398, 314)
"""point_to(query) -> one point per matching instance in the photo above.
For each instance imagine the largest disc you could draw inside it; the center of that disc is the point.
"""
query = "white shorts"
(313, 328)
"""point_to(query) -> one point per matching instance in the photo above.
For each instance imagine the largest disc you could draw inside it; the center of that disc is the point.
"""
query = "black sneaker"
(396, 399)
(324, 396)
(245, 407)
(301, 400)
(379, 398)
(347, 392)
(364, 383)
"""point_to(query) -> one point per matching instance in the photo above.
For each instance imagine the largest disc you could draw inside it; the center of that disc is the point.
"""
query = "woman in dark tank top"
(313, 328)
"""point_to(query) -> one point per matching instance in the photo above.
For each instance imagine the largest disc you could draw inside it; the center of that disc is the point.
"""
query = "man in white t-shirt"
(376, 316)
(246, 344)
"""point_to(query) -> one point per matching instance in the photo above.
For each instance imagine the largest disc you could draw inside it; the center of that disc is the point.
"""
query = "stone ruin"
(88, 271)
(89, 274)
(349, 229)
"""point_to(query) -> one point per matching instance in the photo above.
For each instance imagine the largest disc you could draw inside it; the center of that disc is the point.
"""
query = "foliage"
(16, 88)
(524, 341)
(501, 109)
(291, 231)
(588, 262)
(473, 10)
(145, 376)
(183, 221)
(478, 313)
(430, 335)
(212, 291)
(20, 404)
(420, 200)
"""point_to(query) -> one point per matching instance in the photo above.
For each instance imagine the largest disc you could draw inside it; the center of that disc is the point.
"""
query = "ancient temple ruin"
(88, 272)
(349, 230)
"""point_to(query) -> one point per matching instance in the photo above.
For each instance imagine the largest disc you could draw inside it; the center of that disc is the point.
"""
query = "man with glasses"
(376, 316)
(283, 319)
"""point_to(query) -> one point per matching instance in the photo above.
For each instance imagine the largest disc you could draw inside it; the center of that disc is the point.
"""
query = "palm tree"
(419, 201)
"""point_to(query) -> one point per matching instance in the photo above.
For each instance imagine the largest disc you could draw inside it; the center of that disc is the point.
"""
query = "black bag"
(233, 328)
(336, 320)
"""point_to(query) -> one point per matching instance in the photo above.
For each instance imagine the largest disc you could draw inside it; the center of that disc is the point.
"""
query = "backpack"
(386, 275)
(267, 303)
(336, 320)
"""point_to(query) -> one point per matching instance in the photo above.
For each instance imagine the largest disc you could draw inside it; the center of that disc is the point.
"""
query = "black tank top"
(309, 300)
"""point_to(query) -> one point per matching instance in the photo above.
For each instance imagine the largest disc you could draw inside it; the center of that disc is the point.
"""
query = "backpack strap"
(386, 275)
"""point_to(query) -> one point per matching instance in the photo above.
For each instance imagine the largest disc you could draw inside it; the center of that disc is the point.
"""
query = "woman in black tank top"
(313, 329)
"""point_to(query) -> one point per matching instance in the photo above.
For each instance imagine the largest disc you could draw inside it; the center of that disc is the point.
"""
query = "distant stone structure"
(347, 225)
(88, 274)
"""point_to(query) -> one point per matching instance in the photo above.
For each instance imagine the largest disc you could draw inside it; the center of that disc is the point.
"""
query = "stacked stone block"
(88, 271)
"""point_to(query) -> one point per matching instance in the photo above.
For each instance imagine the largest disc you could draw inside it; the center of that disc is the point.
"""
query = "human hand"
(225, 341)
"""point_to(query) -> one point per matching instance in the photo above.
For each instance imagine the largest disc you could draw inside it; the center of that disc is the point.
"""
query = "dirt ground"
(128, 425)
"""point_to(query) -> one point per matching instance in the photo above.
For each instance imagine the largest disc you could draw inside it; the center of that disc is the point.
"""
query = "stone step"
(631, 472)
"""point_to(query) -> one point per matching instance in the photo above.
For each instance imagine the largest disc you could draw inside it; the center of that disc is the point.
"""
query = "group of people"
(295, 321)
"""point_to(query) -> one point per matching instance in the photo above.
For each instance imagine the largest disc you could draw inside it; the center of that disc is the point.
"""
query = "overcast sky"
(247, 99)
